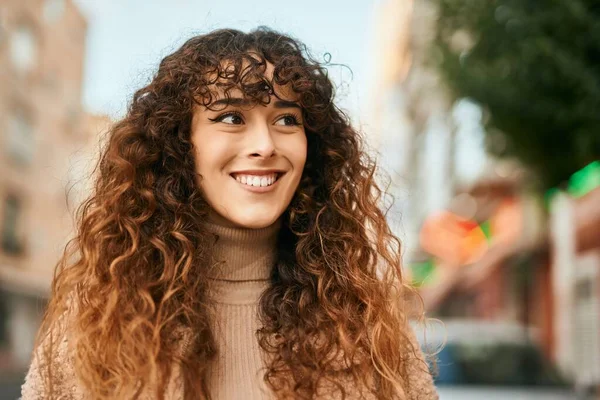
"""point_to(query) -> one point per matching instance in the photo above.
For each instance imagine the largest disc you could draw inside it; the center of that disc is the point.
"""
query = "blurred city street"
(500, 201)
(484, 115)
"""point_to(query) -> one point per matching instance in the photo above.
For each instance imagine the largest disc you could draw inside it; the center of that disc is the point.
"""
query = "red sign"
(453, 239)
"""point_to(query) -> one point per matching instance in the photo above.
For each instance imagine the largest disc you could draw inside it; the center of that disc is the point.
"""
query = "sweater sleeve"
(33, 388)
(420, 384)
(60, 372)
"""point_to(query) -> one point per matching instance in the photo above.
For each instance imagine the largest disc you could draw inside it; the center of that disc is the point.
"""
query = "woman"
(233, 246)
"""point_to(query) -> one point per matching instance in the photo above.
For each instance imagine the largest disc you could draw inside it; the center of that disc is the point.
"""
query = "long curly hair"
(135, 275)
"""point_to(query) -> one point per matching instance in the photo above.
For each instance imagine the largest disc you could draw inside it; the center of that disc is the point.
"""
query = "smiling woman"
(233, 246)
(250, 157)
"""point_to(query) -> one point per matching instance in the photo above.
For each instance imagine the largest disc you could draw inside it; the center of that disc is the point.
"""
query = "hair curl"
(137, 270)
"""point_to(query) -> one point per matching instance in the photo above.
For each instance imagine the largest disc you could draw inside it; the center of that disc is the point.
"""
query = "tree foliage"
(535, 67)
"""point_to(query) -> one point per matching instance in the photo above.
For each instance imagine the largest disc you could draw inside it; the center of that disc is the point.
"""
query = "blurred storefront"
(481, 243)
(575, 239)
(492, 260)
(46, 149)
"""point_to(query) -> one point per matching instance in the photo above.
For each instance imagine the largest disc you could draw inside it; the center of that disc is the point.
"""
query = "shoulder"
(51, 367)
(420, 384)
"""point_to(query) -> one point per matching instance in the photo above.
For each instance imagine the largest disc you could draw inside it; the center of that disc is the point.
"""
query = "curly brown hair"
(136, 273)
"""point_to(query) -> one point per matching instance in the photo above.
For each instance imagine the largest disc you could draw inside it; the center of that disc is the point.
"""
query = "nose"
(261, 142)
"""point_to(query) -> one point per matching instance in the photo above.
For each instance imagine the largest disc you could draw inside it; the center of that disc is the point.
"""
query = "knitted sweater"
(236, 287)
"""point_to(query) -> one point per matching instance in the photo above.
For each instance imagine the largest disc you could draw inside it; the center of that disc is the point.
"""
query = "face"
(249, 157)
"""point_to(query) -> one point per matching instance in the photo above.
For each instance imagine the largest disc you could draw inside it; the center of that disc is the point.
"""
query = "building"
(575, 244)
(411, 125)
(45, 137)
(468, 225)
(430, 145)
(478, 243)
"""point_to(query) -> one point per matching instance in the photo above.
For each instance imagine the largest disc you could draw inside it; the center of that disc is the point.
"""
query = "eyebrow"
(236, 101)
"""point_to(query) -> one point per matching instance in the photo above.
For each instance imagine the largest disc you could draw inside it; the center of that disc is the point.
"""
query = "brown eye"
(288, 120)
(230, 118)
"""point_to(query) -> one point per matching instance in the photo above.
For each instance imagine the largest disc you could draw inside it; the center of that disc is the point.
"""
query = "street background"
(482, 114)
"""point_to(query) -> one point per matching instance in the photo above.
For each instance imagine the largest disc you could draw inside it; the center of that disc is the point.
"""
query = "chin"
(255, 219)
(254, 223)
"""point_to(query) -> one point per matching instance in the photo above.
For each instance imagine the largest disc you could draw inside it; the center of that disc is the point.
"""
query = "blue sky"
(127, 39)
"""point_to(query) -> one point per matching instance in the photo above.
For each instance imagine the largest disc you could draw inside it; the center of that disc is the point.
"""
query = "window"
(4, 318)
(11, 215)
(23, 48)
(584, 290)
(20, 143)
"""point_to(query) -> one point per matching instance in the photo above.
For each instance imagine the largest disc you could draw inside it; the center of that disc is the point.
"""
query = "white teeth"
(258, 181)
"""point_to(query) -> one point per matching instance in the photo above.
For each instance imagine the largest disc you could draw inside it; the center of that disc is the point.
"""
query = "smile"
(257, 183)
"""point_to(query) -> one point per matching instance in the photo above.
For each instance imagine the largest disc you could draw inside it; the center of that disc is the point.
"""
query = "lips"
(258, 173)
(257, 180)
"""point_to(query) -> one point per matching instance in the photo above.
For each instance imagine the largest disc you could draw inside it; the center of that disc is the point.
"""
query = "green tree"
(534, 65)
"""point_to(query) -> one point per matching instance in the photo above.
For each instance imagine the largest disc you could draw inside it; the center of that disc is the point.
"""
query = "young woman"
(233, 247)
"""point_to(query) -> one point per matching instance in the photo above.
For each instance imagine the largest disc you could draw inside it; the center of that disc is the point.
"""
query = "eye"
(288, 120)
(230, 118)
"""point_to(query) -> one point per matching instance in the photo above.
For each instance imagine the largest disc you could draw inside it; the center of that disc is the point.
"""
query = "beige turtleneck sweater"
(247, 257)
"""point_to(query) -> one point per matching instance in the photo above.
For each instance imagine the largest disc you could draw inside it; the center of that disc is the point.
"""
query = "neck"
(243, 254)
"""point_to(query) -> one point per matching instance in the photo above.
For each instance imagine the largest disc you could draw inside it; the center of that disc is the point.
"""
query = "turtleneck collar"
(245, 258)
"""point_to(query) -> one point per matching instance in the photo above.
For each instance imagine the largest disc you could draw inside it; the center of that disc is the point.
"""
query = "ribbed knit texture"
(246, 258)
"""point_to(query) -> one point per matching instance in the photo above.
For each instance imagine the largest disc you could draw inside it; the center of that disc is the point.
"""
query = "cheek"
(211, 155)
(204, 160)
(296, 148)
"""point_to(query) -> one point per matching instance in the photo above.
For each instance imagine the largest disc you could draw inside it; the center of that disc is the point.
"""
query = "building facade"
(478, 242)
(45, 138)
(575, 244)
